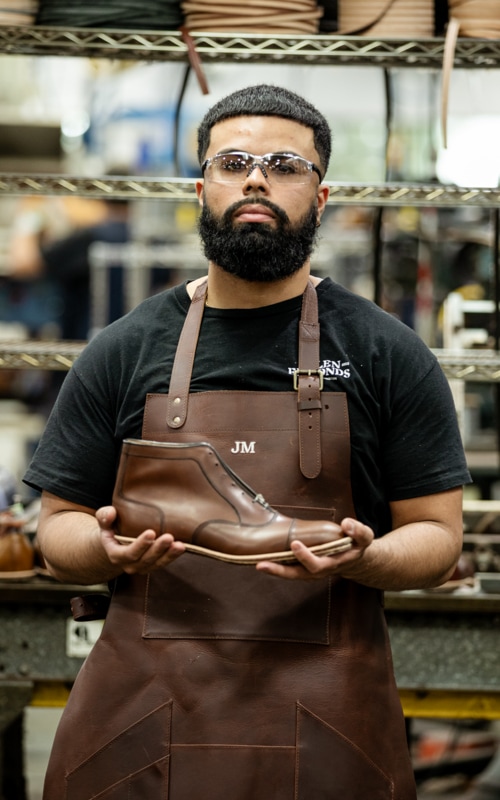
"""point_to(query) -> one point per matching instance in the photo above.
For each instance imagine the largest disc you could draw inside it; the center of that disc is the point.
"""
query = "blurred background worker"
(39, 250)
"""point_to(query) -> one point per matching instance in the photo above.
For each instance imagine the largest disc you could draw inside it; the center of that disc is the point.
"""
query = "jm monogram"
(243, 447)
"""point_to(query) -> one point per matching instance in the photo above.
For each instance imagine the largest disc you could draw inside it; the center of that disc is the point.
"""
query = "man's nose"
(258, 165)
(256, 178)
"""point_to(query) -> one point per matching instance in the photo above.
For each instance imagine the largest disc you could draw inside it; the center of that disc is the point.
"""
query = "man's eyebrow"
(270, 153)
(230, 150)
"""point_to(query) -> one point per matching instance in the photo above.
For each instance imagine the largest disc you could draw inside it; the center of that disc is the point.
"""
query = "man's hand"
(312, 567)
(146, 553)
(79, 544)
(421, 550)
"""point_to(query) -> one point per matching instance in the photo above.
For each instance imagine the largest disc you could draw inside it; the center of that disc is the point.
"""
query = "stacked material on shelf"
(474, 18)
(254, 16)
(145, 15)
(18, 12)
(410, 18)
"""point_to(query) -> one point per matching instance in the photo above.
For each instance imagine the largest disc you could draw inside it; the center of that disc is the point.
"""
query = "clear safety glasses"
(235, 166)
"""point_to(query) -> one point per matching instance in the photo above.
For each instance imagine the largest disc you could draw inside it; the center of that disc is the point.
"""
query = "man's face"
(258, 228)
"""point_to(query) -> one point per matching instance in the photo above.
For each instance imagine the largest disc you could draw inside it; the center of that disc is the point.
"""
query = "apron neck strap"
(180, 379)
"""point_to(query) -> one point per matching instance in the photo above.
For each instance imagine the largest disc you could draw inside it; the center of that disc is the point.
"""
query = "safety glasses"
(236, 166)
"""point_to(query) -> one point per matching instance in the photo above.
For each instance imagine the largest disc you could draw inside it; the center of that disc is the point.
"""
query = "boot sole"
(326, 549)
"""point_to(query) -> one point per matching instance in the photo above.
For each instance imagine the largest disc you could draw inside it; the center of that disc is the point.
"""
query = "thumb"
(362, 534)
(106, 517)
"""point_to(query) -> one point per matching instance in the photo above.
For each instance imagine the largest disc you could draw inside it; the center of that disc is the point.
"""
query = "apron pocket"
(132, 766)
(332, 767)
(199, 598)
(217, 772)
(151, 782)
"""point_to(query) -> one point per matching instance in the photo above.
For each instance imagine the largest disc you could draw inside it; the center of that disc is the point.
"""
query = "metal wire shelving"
(321, 49)
(169, 188)
(318, 49)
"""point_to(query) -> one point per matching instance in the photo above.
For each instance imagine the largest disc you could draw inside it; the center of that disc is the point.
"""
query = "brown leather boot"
(188, 491)
(16, 551)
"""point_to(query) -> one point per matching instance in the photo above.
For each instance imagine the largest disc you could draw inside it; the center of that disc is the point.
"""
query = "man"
(226, 680)
(65, 261)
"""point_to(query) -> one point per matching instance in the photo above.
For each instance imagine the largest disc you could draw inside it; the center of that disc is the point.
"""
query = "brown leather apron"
(212, 681)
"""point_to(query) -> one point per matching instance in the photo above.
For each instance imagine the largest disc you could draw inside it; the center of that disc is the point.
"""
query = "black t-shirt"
(404, 436)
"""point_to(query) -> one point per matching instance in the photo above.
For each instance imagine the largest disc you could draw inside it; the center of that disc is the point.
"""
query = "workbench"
(445, 647)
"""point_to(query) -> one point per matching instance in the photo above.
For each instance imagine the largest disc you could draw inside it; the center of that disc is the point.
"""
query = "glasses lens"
(230, 167)
(288, 168)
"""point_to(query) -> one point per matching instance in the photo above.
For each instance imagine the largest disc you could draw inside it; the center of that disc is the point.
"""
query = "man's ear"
(199, 191)
(323, 194)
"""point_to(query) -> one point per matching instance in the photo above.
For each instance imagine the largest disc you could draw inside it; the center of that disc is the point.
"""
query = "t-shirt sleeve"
(78, 441)
(422, 447)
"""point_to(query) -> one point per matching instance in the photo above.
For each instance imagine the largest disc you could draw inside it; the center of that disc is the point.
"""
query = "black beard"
(255, 251)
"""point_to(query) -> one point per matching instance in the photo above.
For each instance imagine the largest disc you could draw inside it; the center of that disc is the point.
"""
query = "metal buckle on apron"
(309, 372)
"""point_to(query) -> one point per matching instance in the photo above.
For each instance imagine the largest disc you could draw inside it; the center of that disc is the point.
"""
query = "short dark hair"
(268, 101)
